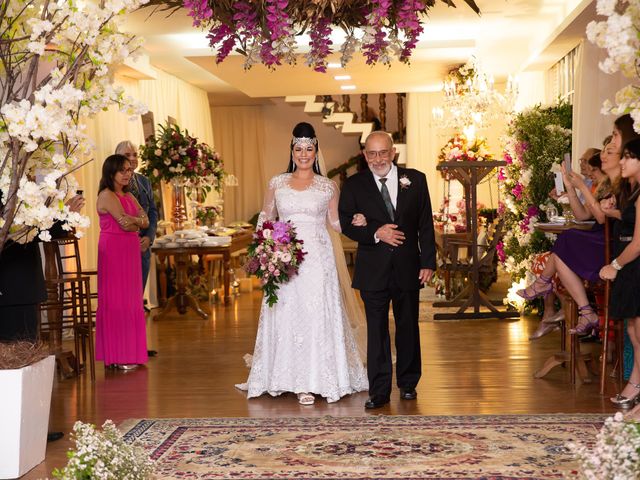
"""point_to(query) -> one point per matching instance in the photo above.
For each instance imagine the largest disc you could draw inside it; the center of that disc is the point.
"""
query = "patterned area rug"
(510, 447)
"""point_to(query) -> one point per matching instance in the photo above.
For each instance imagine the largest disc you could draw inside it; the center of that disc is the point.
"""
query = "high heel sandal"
(306, 398)
(627, 402)
(531, 292)
(585, 328)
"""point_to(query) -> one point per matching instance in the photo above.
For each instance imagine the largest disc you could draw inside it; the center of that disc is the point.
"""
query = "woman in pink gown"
(121, 339)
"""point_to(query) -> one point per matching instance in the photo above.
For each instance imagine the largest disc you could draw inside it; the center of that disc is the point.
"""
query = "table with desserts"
(182, 245)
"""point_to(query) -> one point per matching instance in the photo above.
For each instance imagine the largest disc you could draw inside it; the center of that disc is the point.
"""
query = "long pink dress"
(120, 324)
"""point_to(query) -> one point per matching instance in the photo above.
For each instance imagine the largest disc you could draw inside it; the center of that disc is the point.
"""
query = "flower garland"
(265, 31)
(538, 139)
(42, 134)
(176, 154)
(620, 36)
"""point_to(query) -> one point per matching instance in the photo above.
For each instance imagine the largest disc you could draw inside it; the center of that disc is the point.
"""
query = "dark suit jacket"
(21, 275)
(145, 199)
(377, 262)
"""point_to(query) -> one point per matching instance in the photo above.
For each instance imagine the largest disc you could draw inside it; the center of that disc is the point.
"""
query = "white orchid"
(42, 136)
(619, 34)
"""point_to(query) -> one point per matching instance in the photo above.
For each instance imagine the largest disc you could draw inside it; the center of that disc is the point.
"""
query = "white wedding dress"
(304, 342)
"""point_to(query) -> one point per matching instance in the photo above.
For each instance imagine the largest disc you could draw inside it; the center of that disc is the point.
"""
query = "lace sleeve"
(332, 212)
(269, 210)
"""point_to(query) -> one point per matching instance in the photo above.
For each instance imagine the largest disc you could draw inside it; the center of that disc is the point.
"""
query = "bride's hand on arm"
(359, 220)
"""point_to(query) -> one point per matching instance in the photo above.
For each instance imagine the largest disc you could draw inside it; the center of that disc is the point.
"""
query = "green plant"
(538, 139)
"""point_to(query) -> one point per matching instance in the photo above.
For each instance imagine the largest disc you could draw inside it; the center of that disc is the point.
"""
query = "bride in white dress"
(305, 343)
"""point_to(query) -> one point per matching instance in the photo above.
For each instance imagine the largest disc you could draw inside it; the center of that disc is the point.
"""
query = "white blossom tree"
(56, 70)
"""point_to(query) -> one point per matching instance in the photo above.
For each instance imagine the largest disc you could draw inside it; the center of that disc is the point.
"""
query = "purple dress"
(582, 251)
(121, 335)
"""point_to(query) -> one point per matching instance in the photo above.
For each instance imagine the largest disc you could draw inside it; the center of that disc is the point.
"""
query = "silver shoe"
(627, 402)
(555, 318)
(543, 329)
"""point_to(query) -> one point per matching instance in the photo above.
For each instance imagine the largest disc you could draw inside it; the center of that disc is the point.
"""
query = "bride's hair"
(303, 130)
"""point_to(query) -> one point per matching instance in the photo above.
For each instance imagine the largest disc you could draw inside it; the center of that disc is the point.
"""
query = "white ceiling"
(509, 37)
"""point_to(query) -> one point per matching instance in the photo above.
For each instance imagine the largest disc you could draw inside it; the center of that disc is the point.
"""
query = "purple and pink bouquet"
(274, 257)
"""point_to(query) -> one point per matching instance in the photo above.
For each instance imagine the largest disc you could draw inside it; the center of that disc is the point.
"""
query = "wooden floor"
(469, 367)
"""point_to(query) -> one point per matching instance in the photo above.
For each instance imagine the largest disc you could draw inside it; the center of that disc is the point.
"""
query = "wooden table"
(442, 241)
(569, 344)
(469, 174)
(181, 255)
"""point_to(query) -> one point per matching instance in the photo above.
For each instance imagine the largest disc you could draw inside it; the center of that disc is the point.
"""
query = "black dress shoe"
(375, 403)
(152, 353)
(408, 393)
(53, 436)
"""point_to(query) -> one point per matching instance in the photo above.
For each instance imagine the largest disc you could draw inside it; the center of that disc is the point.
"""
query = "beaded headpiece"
(304, 141)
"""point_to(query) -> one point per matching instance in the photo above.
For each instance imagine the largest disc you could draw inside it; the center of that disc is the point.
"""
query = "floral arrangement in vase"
(265, 32)
(619, 35)
(274, 256)
(207, 214)
(174, 154)
(46, 99)
(537, 139)
(104, 455)
(461, 149)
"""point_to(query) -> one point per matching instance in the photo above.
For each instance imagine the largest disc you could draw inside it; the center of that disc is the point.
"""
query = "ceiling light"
(334, 65)
(348, 87)
(342, 77)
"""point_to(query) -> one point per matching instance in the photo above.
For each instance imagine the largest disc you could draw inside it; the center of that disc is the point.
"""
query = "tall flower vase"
(179, 211)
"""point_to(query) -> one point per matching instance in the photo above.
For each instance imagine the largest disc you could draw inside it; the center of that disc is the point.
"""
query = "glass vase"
(179, 210)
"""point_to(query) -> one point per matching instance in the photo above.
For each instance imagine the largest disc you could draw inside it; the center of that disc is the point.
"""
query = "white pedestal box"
(25, 398)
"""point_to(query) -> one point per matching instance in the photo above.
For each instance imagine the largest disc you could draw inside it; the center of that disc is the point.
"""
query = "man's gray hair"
(124, 145)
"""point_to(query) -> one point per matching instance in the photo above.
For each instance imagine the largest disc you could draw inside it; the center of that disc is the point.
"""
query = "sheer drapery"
(164, 96)
(592, 88)
(239, 133)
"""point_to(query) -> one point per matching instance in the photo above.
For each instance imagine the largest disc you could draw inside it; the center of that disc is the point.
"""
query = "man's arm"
(426, 236)
(152, 214)
(347, 208)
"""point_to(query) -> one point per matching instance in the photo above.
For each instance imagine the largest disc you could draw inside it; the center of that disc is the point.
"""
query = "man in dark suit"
(140, 187)
(396, 256)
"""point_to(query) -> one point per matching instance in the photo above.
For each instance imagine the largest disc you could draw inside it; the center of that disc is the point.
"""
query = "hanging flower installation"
(538, 139)
(56, 70)
(620, 36)
(264, 31)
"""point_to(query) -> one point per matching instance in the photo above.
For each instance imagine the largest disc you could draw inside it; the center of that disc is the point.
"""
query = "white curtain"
(164, 96)
(240, 138)
(592, 87)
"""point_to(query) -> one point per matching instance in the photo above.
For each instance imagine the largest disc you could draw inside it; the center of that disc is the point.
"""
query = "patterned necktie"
(386, 197)
(133, 186)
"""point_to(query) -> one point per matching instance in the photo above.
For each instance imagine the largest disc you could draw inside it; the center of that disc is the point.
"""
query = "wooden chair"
(68, 306)
(618, 364)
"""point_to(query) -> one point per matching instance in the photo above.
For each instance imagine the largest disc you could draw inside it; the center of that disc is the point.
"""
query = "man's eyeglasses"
(376, 154)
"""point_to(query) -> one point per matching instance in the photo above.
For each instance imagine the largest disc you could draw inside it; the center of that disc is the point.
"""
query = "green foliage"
(538, 139)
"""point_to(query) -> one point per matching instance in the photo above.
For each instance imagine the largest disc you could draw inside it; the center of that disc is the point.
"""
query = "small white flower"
(45, 236)
(404, 182)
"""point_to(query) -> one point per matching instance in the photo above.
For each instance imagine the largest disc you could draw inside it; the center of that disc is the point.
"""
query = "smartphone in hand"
(567, 162)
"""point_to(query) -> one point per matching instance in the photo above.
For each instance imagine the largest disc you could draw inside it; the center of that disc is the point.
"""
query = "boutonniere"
(404, 182)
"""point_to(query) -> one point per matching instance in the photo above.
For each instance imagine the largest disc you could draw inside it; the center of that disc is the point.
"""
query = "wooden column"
(401, 132)
(364, 117)
(383, 111)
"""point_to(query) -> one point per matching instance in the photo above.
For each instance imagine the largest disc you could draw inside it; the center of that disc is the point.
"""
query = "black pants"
(408, 359)
(18, 322)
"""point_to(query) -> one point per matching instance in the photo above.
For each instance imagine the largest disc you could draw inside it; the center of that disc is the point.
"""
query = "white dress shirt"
(392, 184)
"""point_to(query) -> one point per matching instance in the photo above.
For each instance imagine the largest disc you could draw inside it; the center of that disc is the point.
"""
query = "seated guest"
(578, 255)
(121, 339)
(594, 172)
(624, 270)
